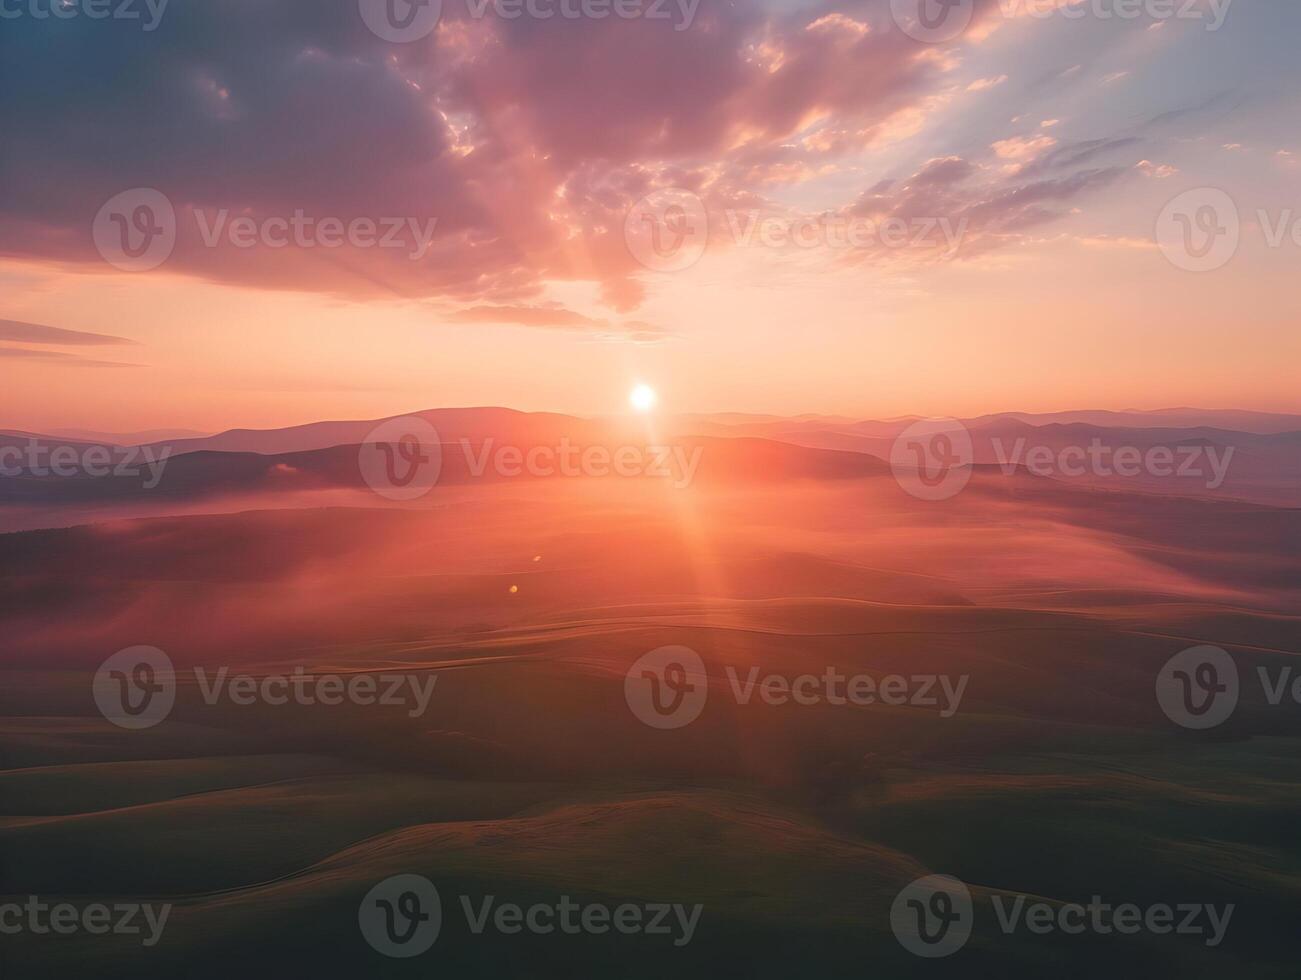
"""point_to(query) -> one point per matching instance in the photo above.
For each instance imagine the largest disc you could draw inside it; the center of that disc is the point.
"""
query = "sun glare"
(642, 398)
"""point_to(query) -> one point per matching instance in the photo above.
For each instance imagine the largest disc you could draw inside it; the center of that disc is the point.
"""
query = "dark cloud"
(1071, 155)
(526, 140)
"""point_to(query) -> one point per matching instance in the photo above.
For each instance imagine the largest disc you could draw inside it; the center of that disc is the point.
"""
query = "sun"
(642, 398)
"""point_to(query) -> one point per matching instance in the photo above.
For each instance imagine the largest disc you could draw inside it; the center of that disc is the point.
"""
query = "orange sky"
(1006, 332)
(1056, 145)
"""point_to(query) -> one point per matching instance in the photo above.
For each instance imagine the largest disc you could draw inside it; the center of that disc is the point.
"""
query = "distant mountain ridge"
(1261, 465)
(477, 423)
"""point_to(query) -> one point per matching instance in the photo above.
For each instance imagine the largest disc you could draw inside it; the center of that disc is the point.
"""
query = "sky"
(775, 207)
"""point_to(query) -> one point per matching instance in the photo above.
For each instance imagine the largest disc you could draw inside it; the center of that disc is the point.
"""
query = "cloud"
(1158, 170)
(37, 333)
(988, 208)
(1219, 105)
(1118, 242)
(1067, 156)
(1024, 206)
(528, 316)
(557, 317)
(948, 170)
(1021, 149)
(59, 358)
(527, 140)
